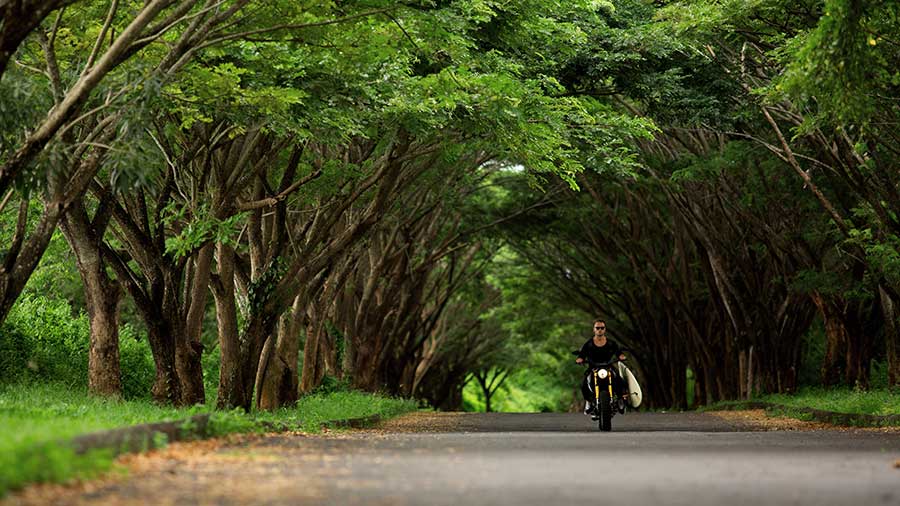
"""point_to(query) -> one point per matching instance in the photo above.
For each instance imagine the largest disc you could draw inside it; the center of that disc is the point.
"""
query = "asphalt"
(531, 459)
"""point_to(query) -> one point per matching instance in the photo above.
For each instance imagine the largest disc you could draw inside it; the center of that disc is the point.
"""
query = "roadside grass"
(844, 400)
(38, 419)
(314, 411)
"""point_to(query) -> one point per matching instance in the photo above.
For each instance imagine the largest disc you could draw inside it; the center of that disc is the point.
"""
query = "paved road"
(539, 459)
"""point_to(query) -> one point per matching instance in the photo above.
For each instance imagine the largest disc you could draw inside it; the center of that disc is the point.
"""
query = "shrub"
(332, 384)
(210, 362)
(138, 369)
(42, 341)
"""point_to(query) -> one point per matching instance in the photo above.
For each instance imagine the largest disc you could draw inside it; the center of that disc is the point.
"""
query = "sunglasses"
(599, 328)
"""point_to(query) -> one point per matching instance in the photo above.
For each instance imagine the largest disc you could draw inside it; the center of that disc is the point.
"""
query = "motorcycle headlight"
(603, 373)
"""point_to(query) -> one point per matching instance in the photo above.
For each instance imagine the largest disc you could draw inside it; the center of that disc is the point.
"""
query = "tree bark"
(891, 340)
(166, 387)
(189, 348)
(103, 296)
(230, 393)
(313, 363)
(251, 342)
(859, 350)
(188, 364)
(279, 375)
(834, 362)
(104, 369)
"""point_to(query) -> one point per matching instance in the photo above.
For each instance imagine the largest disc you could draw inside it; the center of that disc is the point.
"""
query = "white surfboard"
(634, 389)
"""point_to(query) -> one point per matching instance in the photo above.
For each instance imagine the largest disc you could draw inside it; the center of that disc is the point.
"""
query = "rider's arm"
(582, 353)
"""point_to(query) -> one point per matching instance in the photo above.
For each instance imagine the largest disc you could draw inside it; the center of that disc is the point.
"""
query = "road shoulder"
(757, 419)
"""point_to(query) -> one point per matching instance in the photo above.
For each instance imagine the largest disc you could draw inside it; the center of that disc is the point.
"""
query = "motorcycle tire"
(605, 412)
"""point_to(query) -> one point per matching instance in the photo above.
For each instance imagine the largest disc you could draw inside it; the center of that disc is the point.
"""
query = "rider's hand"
(622, 357)
(579, 360)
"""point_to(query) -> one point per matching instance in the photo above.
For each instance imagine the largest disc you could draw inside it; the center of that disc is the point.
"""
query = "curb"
(143, 437)
(149, 436)
(819, 415)
(353, 423)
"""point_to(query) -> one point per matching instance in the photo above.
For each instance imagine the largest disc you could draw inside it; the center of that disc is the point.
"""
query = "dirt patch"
(758, 419)
(421, 421)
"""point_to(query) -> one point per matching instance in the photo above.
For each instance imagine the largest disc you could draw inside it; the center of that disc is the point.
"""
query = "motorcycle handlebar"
(593, 364)
(600, 364)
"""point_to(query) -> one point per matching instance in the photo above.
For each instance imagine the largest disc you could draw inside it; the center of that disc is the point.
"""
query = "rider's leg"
(587, 393)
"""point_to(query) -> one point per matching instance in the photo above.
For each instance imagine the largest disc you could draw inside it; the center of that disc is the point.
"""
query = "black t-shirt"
(599, 354)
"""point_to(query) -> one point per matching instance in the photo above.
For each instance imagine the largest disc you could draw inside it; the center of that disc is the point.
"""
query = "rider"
(599, 349)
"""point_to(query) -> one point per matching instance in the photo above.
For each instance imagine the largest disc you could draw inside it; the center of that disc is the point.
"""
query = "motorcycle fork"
(597, 388)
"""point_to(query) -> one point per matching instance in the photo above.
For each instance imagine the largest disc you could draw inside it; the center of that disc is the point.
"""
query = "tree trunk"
(679, 383)
(366, 371)
(189, 352)
(103, 296)
(169, 318)
(313, 364)
(278, 385)
(699, 387)
(251, 343)
(750, 365)
(188, 364)
(104, 369)
(859, 351)
(230, 393)
(835, 342)
(166, 387)
(482, 378)
(891, 341)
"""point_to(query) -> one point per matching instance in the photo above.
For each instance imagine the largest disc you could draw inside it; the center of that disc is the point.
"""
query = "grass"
(879, 402)
(37, 417)
(312, 411)
(842, 400)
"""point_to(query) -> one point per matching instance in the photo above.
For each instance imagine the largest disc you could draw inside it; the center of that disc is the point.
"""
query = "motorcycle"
(606, 402)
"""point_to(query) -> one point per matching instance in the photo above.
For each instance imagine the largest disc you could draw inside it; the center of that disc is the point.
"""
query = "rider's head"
(599, 327)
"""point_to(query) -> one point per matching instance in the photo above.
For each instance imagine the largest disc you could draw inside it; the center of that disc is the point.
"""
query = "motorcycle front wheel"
(605, 412)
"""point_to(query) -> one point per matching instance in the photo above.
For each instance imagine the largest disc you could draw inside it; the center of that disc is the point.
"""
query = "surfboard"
(634, 389)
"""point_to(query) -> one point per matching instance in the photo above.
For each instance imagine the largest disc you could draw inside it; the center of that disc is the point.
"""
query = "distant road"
(528, 459)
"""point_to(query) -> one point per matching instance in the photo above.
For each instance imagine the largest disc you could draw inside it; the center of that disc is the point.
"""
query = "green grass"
(842, 400)
(312, 411)
(880, 402)
(37, 417)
